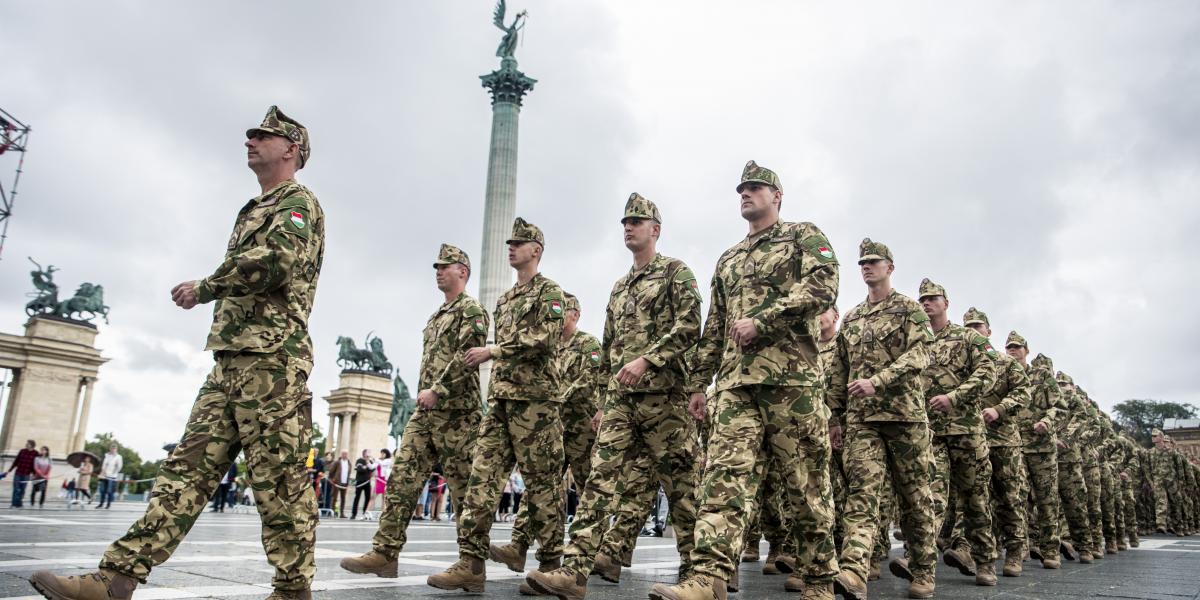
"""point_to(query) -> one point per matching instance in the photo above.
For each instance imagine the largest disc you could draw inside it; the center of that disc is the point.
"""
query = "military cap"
(974, 315)
(277, 123)
(1156, 431)
(753, 173)
(868, 251)
(1064, 378)
(570, 302)
(1015, 339)
(929, 288)
(526, 232)
(638, 207)
(449, 255)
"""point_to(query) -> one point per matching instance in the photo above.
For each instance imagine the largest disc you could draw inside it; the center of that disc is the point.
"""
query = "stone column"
(81, 433)
(73, 429)
(344, 435)
(330, 434)
(355, 448)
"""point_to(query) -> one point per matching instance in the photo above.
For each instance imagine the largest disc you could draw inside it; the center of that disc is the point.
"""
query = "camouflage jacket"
(781, 278)
(1071, 431)
(1008, 395)
(962, 366)
(1046, 405)
(529, 324)
(580, 375)
(1090, 432)
(826, 354)
(264, 288)
(1162, 467)
(1133, 457)
(653, 313)
(457, 326)
(888, 343)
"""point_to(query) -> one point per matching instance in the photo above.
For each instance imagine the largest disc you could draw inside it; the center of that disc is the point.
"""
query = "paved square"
(223, 558)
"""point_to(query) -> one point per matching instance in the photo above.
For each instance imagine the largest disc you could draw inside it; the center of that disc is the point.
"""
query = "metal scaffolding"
(14, 140)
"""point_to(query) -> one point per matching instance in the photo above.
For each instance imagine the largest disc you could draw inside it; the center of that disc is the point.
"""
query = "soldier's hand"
(1062, 445)
(940, 403)
(835, 437)
(861, 387)
(990, 415)
(596, 418)
(631, 373)
(477, 356)
(743, 331)
(184, 295)
(427, 399)
(1124, 476)
(696, 404)
(1040, 428)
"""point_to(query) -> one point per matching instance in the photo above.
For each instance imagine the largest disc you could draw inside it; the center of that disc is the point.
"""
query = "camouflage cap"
(277, 123)
(1064, 378)
(638, 207)
(1156, 431)
(1042, 359)
(526, 232)
(868, 251)
(974, 315)
(752, 173)
(449, 255)
(1015, 339)
(929, 288)
(570, 302)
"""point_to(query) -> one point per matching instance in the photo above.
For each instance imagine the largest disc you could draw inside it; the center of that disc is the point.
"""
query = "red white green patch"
(297, 220)
(556, 306)
(479, 324)
(825, 251)
(594, 355)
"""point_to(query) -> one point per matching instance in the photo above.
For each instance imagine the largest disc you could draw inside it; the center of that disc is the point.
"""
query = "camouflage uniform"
(1131, 469)
(962, 367)
(653, 313)
(1093, 475)
(443, 434)
(888, 433)
(256, 398)
(1162, 477)
(1180, 495)
(522, 424)
(1072, 487)
(768, 393)
(1040, 451)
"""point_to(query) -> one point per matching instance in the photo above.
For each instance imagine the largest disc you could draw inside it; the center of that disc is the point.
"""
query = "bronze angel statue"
(508, 45)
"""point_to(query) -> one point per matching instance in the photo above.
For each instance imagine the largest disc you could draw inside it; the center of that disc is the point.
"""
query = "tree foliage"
(1140, 416)
(133, 465)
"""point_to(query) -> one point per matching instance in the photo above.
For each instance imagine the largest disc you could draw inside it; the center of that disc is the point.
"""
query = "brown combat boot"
(985, 574)
(899, 568)
(1067, 550)
(1133, 542)
(1012, 563)
(607, 568)
(734, 584)
(1051, 563)
(468, 574)
(544, 567)
(1121, 547)
(290, 595)
(565, 583)
(512, 555)
(784, 563)
(698, 587)
(794, 583)
(104, 584)
(850, 586)
(922, 586)
(750, 554)
(959, 559)
(769, 567)
(818, 591)
(1110, 547)
(1097, 552)
(873, 572)
(1085, 557)
(372, 563)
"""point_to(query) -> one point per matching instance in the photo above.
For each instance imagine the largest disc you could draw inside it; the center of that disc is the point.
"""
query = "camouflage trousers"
(528, 433)
(837, 481)
(1008, 494)
(1092, 478)
(1109, 504)
(1132, 524)
(770, 518)
(430, 437)
(887, 509)
(1042, 481)
(872, 453)
(255, 403)
(578, 439)
(751, 426)
(1072, 491)
(962, 469)
(636, 425)
(887, 515)
(626, 524)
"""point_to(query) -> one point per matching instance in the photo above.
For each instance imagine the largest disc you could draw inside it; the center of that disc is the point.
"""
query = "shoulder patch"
(473, 310)
(983, 344)
(918, 316)
(686, 277)
(819, 247)
(554, 302)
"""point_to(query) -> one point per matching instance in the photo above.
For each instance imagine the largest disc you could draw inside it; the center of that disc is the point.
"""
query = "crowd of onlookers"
(34, 466)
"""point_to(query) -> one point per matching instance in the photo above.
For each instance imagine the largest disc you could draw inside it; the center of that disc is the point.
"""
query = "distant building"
(1186, 433)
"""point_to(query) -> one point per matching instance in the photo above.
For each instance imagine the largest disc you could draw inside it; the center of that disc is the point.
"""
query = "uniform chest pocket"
(251, 225)
(886, 332)
(776, 264)
(649, 290)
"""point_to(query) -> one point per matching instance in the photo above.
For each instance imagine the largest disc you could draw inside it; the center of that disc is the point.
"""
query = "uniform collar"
(650, 267)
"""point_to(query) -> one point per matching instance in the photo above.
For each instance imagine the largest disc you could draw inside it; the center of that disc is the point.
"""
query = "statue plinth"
(358, 413)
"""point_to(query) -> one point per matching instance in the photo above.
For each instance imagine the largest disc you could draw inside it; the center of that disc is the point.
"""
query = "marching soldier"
(448, 414)
(1072, 487)
(256, 398)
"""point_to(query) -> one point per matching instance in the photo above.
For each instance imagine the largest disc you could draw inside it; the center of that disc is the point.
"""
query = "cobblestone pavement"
(223, 558)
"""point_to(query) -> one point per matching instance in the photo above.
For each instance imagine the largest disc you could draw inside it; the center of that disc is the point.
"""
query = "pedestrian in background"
(83, 482)
(110, 471)
(383, 470)
(41, 477)
(364, 474)
(23, 465)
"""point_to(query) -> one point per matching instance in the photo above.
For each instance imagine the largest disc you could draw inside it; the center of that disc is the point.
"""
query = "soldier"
(256, 397)
(1092, 475)
(1002, 407)
(1130, 476)
(877, 399)
(448, 414)
(1180, 497)
(1072, 486)
(1037, 420)
(522, 424)
(962, 369)
(653, 318)
(760, 342)
(1161, 476)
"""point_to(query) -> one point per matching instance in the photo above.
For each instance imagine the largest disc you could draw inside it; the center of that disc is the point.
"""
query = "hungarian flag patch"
(825, 251)
(479, 326)
(556, 307)
(595, 356)
(297, 220)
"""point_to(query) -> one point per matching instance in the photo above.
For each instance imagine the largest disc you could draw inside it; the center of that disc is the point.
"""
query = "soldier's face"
(984, 330)
(520, 253)
(450, 275)
(758, 199)
(570, 320)
(874, 271)
(935, 306)
(264, 150)
(639, 233)
(1018, 352)
(828, 320)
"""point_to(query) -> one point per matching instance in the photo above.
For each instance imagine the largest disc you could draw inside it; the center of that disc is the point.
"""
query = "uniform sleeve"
(813, 293)
(610, 332)
(712, 341)
(685, 329)
(1018, 389)
(1076, 422)
(539, 338)
(983, 373)
(268, 266)
(915, 357)
(836, 380)
(597, 377)
(472, 333)
(1056, 405)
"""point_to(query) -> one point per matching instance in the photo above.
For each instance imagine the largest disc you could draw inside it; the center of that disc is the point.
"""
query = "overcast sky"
(1037, 159)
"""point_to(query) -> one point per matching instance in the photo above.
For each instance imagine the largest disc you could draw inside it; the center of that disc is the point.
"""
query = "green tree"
(1140, 416)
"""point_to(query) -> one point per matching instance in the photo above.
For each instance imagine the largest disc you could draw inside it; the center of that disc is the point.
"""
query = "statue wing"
(498, 15)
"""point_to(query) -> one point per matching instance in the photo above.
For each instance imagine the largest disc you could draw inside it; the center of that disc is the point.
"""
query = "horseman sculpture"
(88, 299)
(370, 358)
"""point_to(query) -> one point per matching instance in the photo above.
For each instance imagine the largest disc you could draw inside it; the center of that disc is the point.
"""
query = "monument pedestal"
(54, 368)
(358, 413)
